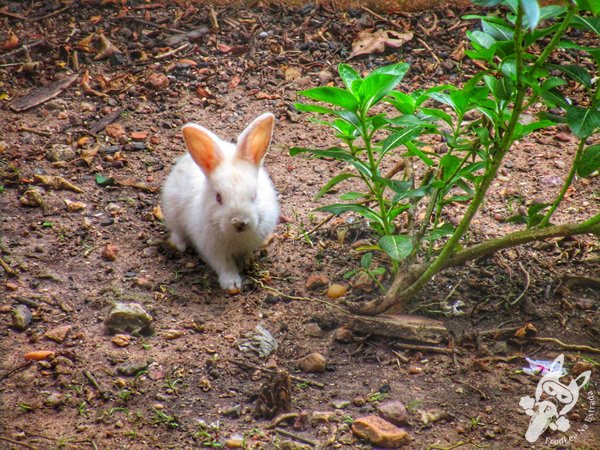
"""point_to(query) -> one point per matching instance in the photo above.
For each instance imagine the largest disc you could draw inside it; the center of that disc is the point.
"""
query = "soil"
(198, 379)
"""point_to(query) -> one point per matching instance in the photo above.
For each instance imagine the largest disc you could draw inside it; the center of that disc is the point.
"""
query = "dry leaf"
(235, 81)
(85, 84)
(107, 48)
(39, 355)
(526, 331)
(56, 182)
(85, 45)
(204, 92)
(11, 42)
(89, 154)
(74, 206)
(369, 41)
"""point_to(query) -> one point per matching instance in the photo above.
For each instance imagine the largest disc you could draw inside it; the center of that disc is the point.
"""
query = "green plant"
(125, 395)
(373, 273)
(160, 417)
(208, 434)
(414, 405)
(24, 407)
(479, 122)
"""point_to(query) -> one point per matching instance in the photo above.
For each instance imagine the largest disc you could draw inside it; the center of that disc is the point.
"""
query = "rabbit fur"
(220, 198)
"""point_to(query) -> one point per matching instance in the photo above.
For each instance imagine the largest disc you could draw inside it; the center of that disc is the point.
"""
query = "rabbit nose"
(239, 223)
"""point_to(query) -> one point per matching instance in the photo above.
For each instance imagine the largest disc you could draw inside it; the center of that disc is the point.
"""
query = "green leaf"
(482, 39)
(439, 232)
(552, 82)
(331, 183)
(589, 162)
(487, 2)
(366, 260)
(352, 196)
(551, 11)
(594, 51)
(304, 107)
(101, 180)
(348, 76)
(501, 32)
(336, 153)
(523, 130)
(589, 5)
(340, 208)
(576, 73)
(397, 247)
(402, 102)
(583, 122)
(449, 164)
(591, 23)
(413, 150)
(376, 86)
(332, 95)
(438, 113)
(532, 13)
(398, 70)
(555, 98)
(400, 137)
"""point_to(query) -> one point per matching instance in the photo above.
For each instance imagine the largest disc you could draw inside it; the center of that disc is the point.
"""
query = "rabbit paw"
(231, 282)
(178, 241)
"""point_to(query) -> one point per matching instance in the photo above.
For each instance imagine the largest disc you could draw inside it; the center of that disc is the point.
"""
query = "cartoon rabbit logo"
(545, 413)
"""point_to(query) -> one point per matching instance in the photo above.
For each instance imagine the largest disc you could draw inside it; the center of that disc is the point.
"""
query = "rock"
(234, 412)
(21, 318)
(132, 368)
(234, 442)
(292, 73)
(110, 252)
(115, 130)
(60, 152)
(363, 283)
(325, 76)
(121, 340)
(343, 335)
(316, 282)
(156, 371)
(172, 334)
(139, 135)
(315, 362)
(379, 432)
(54, 400)
(58, 334)
(128, 318)
(432, 415)
(32, 198)
(157, 81)
(394, 412)
(336, 291)
(489, 434)
(581, 366)
(340, 404)
(414, 370)
(318, 417)
(359, 401)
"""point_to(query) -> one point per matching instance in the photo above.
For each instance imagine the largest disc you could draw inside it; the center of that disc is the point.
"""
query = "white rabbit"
(220, 197)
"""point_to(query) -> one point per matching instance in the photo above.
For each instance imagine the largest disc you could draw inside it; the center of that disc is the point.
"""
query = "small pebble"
(315, 362)
(21, 318)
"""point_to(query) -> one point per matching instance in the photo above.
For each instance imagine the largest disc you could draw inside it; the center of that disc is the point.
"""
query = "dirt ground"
(196, 380)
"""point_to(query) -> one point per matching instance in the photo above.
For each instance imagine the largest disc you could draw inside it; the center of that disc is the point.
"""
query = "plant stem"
(501, 150)
(546, 220)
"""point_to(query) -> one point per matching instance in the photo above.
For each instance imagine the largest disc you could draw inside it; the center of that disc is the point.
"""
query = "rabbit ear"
(254, 141)
(203, 146)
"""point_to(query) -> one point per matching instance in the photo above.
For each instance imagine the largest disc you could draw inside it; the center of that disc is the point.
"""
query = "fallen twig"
(150, 24)
(527, 284)
(35, 131)
(383, 19)
(23, 444)
(439, 447)
(95, 383)
(9, 270)
(247, 365)
(293, 297)
(16, 369)
(424, 348)
(295, 436)
(23, 48)
(52, 14)
(172, 52)
(580, 348)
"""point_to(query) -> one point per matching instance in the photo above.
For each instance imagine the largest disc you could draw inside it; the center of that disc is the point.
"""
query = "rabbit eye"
(219, 198)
